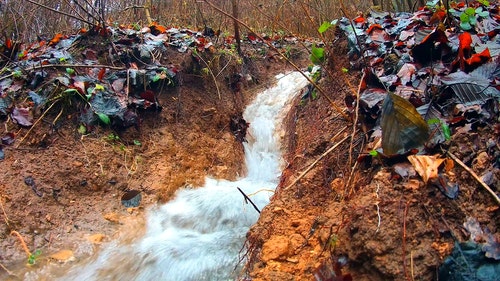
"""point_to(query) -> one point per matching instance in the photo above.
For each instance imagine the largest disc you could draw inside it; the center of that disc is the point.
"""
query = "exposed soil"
(387, 228)
(376, 225)
(79, 180)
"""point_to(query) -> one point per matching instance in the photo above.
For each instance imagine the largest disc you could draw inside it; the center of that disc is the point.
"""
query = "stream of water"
(200, 233)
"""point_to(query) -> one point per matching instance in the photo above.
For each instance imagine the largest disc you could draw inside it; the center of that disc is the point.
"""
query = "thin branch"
(475, 176)
(318, 159)
(23, 244)
(36, 122)
(59, 12)
(74, 65)
(4, 213)
(249, 200)
(211, 74)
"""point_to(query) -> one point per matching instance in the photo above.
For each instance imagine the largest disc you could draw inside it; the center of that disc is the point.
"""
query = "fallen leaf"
(426, 166)
(22, 116)
(403, 128)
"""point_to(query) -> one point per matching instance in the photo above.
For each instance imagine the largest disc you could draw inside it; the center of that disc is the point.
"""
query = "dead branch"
(248, 199)
(60, 12)
(318, 159)
(211, 74)
(475, 176)
(23, 244)
(4, 213)
(403, 245)
(10, 273)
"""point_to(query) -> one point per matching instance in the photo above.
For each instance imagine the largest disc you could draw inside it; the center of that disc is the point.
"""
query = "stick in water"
(249, 200)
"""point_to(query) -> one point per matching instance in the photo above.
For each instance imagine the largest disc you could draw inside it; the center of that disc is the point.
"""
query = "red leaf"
(465, 41)
(157, 28)
(148, 95)
(8, 44)
(55, 39)
(374, 26)
(359, 20)
(478, 59)
(101, 73)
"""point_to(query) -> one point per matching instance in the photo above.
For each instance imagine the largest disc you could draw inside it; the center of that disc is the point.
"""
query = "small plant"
(112, 138)
(33, 257)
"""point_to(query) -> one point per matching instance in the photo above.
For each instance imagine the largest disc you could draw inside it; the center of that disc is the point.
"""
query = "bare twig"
(74, 65)
(4, 213)
(211, 74)
(36, 122)
(475, 176)
(10, 273)
(378, 208)
(60, 12)
(317, 160)
(23, 244)
(403, 245)
(248, 199)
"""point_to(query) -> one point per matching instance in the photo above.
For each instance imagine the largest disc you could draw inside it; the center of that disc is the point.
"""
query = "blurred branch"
(59, 12)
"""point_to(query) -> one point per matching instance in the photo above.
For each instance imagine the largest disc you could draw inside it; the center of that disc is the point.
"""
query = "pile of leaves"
(105, 74)
(425, 77)
(428, 77)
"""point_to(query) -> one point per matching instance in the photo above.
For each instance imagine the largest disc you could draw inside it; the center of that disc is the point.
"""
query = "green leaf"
(464, 17)
(324, 27)
(484, 14)
(138, 143)
(98, 87)
(446, 131)
(314, 94)
(104, 118)
(433, 121)
(71, 90)
(470, 11)
(373, 153)
(82, 130)
(17, 74)
(317, 55)
(465, 26)
(345, 70)
(403, 128)
(70, 71)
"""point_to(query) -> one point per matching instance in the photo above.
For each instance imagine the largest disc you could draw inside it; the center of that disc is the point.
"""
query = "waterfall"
(198, 235)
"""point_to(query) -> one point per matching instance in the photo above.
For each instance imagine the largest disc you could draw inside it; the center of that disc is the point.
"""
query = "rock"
(63, 256)
(96, 238)
(277, 247)
(112, 217)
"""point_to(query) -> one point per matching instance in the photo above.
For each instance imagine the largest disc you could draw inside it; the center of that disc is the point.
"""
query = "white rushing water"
(199, 234)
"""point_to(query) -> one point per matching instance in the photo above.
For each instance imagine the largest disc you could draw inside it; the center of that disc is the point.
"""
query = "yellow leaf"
(426, 166)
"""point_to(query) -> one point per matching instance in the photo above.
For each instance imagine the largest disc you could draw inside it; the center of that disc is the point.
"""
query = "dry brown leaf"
(426, 166)
(449, 164)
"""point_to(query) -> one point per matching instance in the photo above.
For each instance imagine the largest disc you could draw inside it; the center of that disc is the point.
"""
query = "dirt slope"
(79, 180)
(379, 227)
